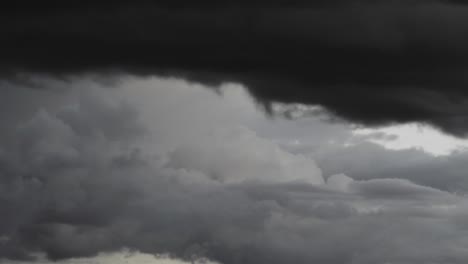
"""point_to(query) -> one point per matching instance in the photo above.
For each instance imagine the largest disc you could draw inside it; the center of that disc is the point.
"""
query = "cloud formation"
(113, 169)
(371, 62)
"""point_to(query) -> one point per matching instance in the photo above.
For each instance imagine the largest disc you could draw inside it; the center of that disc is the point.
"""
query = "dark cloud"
(372, 62)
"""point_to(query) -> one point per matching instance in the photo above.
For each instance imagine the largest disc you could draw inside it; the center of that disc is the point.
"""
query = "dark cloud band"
(372, 62)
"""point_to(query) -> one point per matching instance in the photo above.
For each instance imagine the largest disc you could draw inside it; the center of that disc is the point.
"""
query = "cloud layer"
(372, 62)
(137, 167)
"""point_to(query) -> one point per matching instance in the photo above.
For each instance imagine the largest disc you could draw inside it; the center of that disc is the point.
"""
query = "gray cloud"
(368, 160)
(337, 150)
(137, 167)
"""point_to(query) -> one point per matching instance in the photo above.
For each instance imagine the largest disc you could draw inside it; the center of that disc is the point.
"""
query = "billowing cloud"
(138, 167)
(371, 62)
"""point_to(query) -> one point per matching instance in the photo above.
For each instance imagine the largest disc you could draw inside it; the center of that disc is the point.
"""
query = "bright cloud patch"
(417, 136)
(123, 257)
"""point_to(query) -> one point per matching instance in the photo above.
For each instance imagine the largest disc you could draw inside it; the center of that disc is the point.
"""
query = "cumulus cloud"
(137, 167)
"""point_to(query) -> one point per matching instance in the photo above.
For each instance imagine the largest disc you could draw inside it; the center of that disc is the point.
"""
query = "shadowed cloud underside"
(372, 62)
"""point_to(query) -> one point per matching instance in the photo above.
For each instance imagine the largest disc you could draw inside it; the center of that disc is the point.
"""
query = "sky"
(234, 132)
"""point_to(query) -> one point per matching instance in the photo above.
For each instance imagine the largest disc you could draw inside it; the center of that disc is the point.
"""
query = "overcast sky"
(234, 132)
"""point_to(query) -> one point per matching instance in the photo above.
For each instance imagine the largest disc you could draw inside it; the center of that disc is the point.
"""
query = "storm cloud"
(372, 62)
(97, 170)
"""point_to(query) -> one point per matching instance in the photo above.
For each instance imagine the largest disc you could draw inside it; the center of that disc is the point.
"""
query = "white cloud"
(122, 257)
(417, 136)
